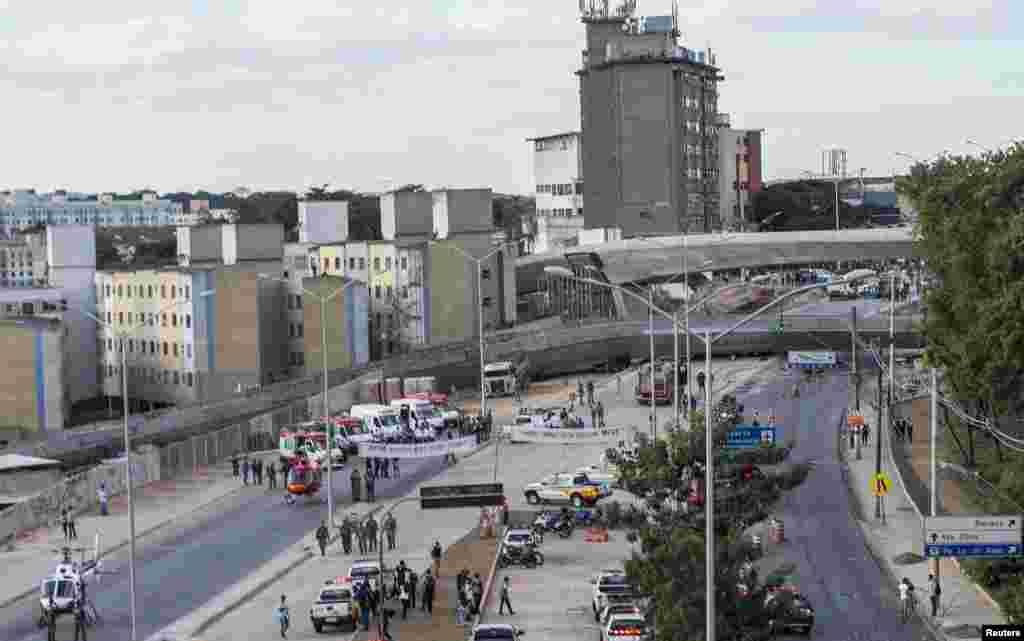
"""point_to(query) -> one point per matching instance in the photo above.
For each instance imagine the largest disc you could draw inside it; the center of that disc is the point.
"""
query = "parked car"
(333, 606)
(563, 488)
(497, 632)
(619, 608)
(610, 587)
(625, 626)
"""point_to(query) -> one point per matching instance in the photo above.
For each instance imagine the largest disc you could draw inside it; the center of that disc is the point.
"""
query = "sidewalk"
(898, 543)
(157, 504)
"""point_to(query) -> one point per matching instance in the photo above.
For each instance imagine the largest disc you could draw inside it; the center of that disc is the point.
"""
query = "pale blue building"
(24, 208)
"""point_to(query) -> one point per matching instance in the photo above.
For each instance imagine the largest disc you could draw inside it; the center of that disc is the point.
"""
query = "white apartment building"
(558, 190)
(23, 208)
(739, 173)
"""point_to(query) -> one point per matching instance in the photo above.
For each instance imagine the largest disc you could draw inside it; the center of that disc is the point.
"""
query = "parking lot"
(552, 602)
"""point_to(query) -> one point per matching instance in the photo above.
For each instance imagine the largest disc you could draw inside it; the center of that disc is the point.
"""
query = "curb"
(490, 581)
(138, 535)
(876, 555)
(279, 574)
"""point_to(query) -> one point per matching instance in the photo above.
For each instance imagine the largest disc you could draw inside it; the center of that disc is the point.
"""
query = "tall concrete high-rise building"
(740, 173)
(648, 117)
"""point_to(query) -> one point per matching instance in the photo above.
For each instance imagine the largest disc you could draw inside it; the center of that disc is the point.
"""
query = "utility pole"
(934, 422)
(879, 513)
(856, 379)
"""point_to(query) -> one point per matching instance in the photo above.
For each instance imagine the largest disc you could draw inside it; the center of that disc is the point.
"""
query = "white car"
(619, 608)
(610, 587)
(563, 488)
(333, 606)
(608, 475)
(625, 626)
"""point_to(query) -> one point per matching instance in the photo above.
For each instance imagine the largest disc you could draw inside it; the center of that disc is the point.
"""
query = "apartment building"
(648, 107)
(50, 274)
(345, 318)
(23, 208)
(34, 391)
(558, 191)
(189, 334)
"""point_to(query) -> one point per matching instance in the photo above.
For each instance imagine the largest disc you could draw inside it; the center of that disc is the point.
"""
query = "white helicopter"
(65, 588)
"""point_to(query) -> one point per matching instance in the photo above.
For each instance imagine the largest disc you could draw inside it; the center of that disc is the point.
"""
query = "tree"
(970, 232)
(805, 205)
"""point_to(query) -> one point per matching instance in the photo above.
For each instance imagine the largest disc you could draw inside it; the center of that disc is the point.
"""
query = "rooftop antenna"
(675, 19)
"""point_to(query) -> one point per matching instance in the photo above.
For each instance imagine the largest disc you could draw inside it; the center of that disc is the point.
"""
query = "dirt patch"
(471, 553)
(554, 392)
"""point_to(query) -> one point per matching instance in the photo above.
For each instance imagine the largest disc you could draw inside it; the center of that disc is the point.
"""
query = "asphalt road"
(851, 596)
(181, 567)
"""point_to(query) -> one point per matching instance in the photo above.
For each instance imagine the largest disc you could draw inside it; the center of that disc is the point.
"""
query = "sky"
(186, 95)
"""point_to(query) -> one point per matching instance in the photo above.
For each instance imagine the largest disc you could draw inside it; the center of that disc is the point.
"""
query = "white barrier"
(566, 435)
(417, 450)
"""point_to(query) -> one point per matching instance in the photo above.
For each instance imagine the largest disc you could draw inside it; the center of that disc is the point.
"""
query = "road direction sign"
(982, 537)
(880, 485)
(747, 436)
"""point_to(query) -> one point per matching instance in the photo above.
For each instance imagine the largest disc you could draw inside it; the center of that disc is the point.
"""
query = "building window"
(108, 318)
(129, 292)
(188, 321)
(175, 348)
(152, 347)
(376, 264)
(387, 264)
(405, 291)
(150, 290)
(163, 291)
(337, 263)
(110, 344)
(390, 294)
(188, 350)
(108, 291)
(152, 320)
(167, 376)
(120, 318)
(163, 319)
(351, 263)
(291, 330)
(485, 273)
(312, 265)
(173, 291)
(174, 319)
(327, 264)
(188, 379)
(299, 329)
(487, 301)
(362, 263)
(376, 291)
(405, 263)
(177, 378)
(165, 348)
(188, 291)
(131, 346)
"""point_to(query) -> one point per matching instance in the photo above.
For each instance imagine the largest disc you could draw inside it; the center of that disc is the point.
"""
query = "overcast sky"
(172, 94)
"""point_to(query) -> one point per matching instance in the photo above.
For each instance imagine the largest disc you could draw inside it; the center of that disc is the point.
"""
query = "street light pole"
(654, 418)
(130, 483)
(675, 375)
(709, 498)
(686, 312)
(480, 310)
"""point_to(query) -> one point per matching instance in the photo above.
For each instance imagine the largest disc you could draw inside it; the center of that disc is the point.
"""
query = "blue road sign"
(972, 551)
(746, 436)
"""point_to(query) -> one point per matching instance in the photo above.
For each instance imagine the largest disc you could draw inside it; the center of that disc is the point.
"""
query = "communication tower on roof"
(602, 9)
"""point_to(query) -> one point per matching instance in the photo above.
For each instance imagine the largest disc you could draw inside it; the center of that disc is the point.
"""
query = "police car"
(333, 605)
(564, 488)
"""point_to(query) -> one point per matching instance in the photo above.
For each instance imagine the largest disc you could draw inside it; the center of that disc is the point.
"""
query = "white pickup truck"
(333, 606)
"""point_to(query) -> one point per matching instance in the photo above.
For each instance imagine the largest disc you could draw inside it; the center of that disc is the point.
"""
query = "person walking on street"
(283, 616)
(505, 599)
(72, 528)
(321, 537)
(64, 526)
(435, 557)
(390, 528)
(427, 604)
(371, 525)
(245, 471)
(865, 433)
(600, 414)
(371, 483)
(104, 499)
(935, 592)
(590, 392)
(403, 596)
(394, 467)
(413, 585)
(361, 534)
(272, 476)
(234, 466)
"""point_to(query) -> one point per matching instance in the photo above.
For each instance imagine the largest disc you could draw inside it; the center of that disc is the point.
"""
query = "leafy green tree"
(970, 232)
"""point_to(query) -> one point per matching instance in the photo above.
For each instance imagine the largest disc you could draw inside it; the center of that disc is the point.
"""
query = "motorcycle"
(565, 528)
(525, 555)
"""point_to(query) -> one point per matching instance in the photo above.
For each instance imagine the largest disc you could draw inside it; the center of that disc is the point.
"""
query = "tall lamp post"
(480, 311)
(122, 336)
(323, 300)
(708, 341)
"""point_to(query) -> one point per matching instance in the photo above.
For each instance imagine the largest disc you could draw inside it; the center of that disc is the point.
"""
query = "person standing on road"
(428, 593)
(72, 527)
(394, 467)
(321, 537)
(272, 476)
(413, 584)
(283, 616)
(234, 466)
(505, 599)
(935, 590)
(390, 528)
(403, 596)
(371, 525)
(701, 380)
(103, 497)
(346, 535)
(435, 557)
(866, 433)
(245, 471)
(361, 529)
(64, 525)
(590, 392)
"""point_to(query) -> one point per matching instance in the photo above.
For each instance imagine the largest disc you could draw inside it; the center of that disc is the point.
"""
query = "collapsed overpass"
(641, 259)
